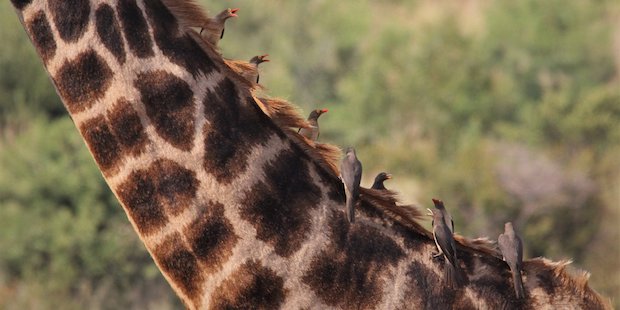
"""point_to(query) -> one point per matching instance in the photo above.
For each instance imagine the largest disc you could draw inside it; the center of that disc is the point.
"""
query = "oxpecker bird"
(443, 230)
(214, 30)
(378, 184)
(255, 61)
(312, 133)
(512, 249)
(351, 175)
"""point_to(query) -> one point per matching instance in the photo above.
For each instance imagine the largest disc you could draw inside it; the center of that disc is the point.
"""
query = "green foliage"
(63, 230)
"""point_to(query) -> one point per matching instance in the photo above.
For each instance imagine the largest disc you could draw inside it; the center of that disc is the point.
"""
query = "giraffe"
(237, 210)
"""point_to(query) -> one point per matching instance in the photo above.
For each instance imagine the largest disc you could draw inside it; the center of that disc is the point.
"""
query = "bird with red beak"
(214, 30)
(312, 132)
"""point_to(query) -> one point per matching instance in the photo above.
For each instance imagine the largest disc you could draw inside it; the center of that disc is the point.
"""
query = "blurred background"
(507, 110)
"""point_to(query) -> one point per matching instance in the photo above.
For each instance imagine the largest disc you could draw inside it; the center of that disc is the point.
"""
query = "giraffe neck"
(234, 211)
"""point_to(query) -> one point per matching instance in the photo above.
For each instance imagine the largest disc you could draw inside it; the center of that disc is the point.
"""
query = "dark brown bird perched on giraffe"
(312, 133)
(511, 246)
(379, 179)
(443, 233)
(214, 30)
(249, 70)
(351, 175)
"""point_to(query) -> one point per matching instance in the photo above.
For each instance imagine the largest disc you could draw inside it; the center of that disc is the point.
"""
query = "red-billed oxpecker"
(312, 133)
(351, 175)
(379, 179)
(214, 30)
(512, 249)
(443, 233)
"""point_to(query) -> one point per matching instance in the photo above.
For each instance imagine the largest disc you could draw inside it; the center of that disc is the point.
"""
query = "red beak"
(324, 111)
(263, 58)
(233, 12)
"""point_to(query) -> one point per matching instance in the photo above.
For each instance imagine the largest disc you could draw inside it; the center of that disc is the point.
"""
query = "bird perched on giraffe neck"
(351, 175)
(511, 246)
(379, 179)
(443, 233)
(248, 70)
(213, 31)
(312, 133)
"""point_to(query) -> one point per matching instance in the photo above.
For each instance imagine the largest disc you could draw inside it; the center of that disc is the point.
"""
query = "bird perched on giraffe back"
(312, 132)
(248, 70)
(213, 31)
(443, 233)
(351, 175)
(511, 246)
(379, 179)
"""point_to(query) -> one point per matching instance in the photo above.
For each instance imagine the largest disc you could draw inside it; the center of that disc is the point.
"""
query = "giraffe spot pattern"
(279, 207)
(349, 272)
(169, 104)
(230, 132)
(70, 18)
(109, 31)
(180, 48)
(181, 265)
(334, 186)
(83, 80)
(127, 128)
(412, 240)
(20, 4)
(102, 143)
(42, 37)
(251, 286)
(427, 290)
(212, 237)
(135, 28)
(150, 194)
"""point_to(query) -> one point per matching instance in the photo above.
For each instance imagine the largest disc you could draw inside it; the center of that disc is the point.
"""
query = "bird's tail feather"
(518, 282)
(351, 209)
(454, 276)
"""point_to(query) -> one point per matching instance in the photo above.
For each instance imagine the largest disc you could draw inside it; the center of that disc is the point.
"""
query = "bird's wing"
(519, 248)
(443, 238)
(507, 247)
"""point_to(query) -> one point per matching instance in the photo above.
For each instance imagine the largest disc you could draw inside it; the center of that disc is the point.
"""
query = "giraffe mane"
(385, 204)
(188, 13)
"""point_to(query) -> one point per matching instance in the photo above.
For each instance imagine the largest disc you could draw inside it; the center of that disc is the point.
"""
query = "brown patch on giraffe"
(427, 290)
(412, 240)
(150, 195)
(42, 38)
(181, 266)
(334, 186)
(279, 207)
(212, 237)
(102, 143)
(20, 4)
(179, 47)
(251, 286)
(350, 272)
(127, 128)
(169, 104)
(135, 28)
(70, 18)
(83, 81)
(231, 131)
(109, 31)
